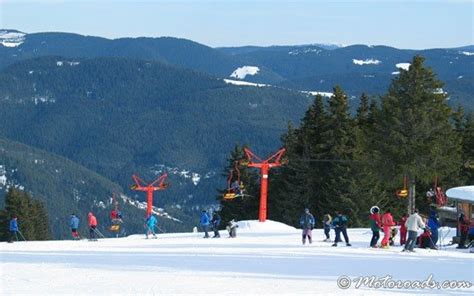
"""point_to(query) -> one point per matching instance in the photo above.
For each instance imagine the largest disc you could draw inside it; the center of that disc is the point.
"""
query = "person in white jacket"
(413, 223)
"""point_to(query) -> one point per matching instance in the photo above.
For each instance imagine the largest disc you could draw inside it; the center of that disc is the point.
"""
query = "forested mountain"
(318, 67)
(120, 116)
(179, 52)
(155, 105)
(360, 68)
(66, 187)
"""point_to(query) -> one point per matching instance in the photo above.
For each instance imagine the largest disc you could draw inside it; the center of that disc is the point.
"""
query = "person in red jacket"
(387, 223)
(403, 229)
(92, 226)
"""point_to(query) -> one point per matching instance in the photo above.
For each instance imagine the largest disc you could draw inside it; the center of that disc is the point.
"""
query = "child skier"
(375, 224)
(74, 224)
(327, 220)
(232, 228)
(403, 229)
(307, 225)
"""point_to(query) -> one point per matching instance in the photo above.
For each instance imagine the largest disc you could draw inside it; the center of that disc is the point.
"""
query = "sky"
(414, 24)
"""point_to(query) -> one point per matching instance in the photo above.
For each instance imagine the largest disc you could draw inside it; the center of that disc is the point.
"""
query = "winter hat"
(306, 210)
(374, 210)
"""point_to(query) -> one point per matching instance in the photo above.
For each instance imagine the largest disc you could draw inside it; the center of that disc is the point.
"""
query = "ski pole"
(160, 229)
(21, 235)
(98, 233)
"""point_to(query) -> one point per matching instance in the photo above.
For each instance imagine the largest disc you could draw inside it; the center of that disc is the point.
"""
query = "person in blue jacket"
(433, 225)
(74, 226)
(151, 222)
(340, 225)
(307, 225)
(13, 229)
(204, 221)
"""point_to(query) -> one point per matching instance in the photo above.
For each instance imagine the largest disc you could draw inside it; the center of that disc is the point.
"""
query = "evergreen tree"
(338, 149)
(32, 215)
(413, 134)
(297, 185)
(467, 133)
(39, 218)
(365, 188)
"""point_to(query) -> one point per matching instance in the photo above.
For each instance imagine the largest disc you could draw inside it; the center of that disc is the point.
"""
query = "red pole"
(262, 215)
(149, 201)
(264, 166)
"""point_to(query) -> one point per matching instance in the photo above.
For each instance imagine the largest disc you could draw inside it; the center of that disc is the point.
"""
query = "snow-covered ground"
(242, 72)
(244, 83)
(264, 259)
(366, 62)
(11, 38)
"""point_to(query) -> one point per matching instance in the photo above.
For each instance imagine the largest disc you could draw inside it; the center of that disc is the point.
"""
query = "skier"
(13, 229)
(216, 221)
(387, 223)
(393, 234)
(204, 221)
(403, 229)
(424, 240)
(433, 225)
(113, 215)
(150, 226)
(307, 225)
(414, 222)
(92, 226)
(463, 229)
(232, 228)
(74, 224)
(375, 224)
(340, 225)
(327, 220)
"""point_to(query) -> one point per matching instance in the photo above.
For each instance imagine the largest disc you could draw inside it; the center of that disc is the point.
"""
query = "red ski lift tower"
(264, 166)
(158, 184)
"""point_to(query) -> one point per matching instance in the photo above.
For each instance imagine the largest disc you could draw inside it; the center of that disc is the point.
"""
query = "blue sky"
(404, 24)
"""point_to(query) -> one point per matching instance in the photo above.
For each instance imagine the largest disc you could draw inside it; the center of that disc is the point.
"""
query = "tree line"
(31, 214)
(344, 162)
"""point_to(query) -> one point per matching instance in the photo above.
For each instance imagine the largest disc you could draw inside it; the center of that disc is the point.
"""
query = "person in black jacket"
(215, 222)
(340, 225)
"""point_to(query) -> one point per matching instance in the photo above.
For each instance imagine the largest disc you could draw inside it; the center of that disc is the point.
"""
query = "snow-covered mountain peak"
(11, 38)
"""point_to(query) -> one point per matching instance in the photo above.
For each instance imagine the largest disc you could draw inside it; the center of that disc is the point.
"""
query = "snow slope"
(366, 62)
(241, 72)
(11, 38)
(264, 259)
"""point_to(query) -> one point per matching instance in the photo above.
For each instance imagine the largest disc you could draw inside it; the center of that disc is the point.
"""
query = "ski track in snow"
(262, 260)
